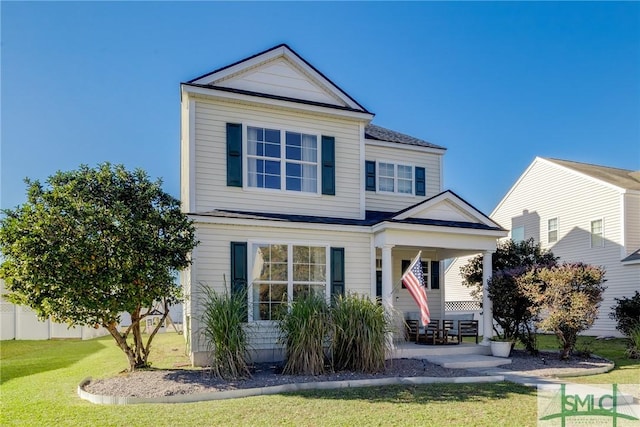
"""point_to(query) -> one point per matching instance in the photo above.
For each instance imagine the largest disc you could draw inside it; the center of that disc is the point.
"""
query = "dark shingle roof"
(633, 257)
(371, 218)
(623, 178)
(382, 134)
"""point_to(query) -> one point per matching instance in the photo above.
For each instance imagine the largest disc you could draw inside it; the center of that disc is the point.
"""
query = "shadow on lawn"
(24, 358)
(429, 393)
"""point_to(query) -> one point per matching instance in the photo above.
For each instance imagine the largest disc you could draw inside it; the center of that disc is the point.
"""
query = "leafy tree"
(570, 295)
(626, 313)
(95, 243)
(513, 311)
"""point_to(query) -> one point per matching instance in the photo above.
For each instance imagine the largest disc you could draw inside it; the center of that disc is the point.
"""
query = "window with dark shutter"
(420, 181)
(239, 275)
(370, 169)
(337, 272)
(234, 155)
(328, 165)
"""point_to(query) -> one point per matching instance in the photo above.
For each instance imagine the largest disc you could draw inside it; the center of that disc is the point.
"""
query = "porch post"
(387, 287)
(387, 279)
(487, 306)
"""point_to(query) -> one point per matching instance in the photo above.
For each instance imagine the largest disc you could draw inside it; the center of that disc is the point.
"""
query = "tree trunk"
(122, 343)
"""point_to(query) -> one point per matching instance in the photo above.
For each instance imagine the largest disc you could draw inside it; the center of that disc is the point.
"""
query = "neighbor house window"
(291, 166)
(395, 178)
(282, 273)
(597, 234)
(552, 230)
(517, 234)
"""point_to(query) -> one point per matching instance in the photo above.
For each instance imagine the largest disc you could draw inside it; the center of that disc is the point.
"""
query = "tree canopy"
(514, 312)
(93, 243)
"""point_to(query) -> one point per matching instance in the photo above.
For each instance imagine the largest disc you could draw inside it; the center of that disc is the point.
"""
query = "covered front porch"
(440, 228)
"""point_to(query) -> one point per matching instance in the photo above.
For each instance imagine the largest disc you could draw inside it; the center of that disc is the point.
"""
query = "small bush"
(570, 296)
(360, 334)
(627, 313)
(223, 329)
(633, 349)
(304, 331)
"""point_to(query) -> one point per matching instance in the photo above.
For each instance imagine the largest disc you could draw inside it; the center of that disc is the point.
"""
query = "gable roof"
(379, 133)
(305, 84)
(622, 178)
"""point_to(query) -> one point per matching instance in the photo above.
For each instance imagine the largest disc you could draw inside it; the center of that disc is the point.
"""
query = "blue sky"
(495, 83)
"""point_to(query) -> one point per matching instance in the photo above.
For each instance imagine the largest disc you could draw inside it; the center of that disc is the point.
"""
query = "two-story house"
(293, 190)
(580, 212)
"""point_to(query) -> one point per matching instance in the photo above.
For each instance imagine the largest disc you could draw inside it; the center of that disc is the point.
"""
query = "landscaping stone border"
(284, 388)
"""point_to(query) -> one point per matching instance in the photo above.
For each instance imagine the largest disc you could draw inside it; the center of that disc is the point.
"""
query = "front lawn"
(39, 379)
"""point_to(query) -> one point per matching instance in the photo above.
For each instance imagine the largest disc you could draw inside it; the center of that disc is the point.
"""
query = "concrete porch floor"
(453, 356)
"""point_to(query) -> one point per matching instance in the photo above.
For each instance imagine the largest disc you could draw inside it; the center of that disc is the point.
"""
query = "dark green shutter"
(435, 274)
(370, 169)
(239, 277)
(234, 154)
(337, 272)
(420, 182)
(328, 165)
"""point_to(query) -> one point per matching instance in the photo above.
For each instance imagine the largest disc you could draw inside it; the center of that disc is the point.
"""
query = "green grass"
(39, 379)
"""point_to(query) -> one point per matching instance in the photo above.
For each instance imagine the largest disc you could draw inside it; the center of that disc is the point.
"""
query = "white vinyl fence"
(21, 323)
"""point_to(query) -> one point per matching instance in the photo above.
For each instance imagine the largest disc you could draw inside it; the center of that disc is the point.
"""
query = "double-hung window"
(597, 234)
(282, 273)
(552, 230)
(292, 165)
(395, 178)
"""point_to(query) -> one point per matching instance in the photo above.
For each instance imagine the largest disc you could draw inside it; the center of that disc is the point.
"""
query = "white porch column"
(387, 279)
(387, 287)
(487, 306)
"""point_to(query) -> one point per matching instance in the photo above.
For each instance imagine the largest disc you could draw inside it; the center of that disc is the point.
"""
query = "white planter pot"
(500, 348)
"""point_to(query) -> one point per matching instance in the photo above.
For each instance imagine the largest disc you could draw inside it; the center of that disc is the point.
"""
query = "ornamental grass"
(360, 334)
(304, 330)
(223, 330)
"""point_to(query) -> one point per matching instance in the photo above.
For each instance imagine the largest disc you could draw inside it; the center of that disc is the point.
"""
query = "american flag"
(413, 279)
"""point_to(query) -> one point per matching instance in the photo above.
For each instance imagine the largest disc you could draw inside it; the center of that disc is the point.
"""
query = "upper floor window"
(395, 178)
(552, 230)
(293, 167)
(597, 233)
(517, 234)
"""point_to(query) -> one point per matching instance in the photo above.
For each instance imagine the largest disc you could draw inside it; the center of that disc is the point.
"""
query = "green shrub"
(569, 295)
(223, 329)
(304, 330)
(360, 334)
(633, 349)
(627, 313)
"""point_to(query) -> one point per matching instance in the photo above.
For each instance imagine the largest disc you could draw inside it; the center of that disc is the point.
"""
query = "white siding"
(392, 202)
(210, 162)
(632, 223)
(212, 264)
(280, 77)
(454, 289)
(548, 191)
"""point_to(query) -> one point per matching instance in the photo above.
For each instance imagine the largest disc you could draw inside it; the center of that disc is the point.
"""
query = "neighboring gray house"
(293, 190)
(581, 212)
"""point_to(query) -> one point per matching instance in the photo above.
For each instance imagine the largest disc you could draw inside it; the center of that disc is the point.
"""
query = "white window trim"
(556, 230)
(602, 234)
(290, 244)
(395, 191)
(283, 160)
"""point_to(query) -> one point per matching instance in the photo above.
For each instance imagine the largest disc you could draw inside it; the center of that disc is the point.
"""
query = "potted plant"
(501, 346)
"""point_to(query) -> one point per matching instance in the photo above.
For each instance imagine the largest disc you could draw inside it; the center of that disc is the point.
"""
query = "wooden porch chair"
(461, 328)
(428, 334)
